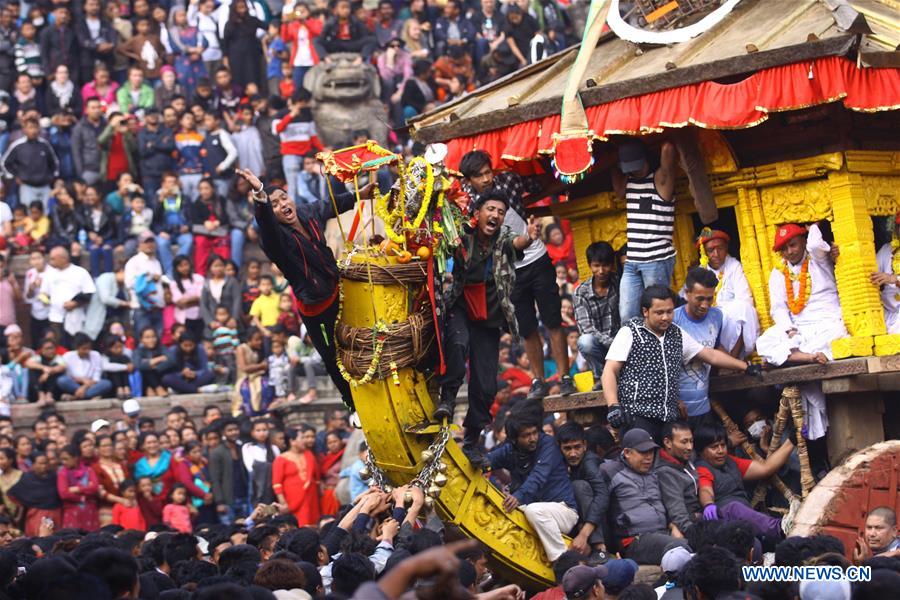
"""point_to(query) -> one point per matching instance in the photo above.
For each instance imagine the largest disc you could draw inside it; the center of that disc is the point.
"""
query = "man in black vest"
(644, 363)
(722, 477)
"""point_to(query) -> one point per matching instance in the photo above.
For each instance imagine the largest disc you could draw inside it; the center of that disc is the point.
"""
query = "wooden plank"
(855, 422)
(574, 402)
(851, 385)
(788, 375)
(441, 132)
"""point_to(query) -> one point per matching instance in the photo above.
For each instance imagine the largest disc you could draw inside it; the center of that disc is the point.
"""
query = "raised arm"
(665, 174)
(773, 462)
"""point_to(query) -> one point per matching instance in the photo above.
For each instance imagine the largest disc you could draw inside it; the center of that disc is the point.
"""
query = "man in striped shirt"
(649, 197)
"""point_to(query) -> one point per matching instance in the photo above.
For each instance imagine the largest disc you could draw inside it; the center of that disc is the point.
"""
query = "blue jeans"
(28, 194)
(298, 74)
(594, 353)
(103, 252)
(292, 165)
(638, 276)
(70, 386)
(238, 509)
(148, 318)
(164, 248)
(189, 184)
(237, 246)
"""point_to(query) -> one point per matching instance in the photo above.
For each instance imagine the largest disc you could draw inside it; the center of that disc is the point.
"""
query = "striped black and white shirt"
(651, 221)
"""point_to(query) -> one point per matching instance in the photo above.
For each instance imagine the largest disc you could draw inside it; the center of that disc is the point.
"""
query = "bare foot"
(308, 397)
(161, 391)
(150, 393)
(821, 358)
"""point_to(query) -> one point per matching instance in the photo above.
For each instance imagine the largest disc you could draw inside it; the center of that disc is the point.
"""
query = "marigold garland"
(720, 275)
(796, 304)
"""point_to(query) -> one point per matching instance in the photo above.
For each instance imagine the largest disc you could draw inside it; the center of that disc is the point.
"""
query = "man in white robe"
(808, 316)
(740, 327)
(888, 279)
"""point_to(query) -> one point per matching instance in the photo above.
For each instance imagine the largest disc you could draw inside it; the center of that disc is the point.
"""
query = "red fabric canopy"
(707, 104)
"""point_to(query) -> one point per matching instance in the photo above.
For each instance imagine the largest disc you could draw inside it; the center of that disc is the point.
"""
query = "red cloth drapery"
(707, 104)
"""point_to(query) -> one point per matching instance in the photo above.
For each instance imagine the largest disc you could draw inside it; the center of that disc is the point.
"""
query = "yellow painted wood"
(385, 410)
(846, 188)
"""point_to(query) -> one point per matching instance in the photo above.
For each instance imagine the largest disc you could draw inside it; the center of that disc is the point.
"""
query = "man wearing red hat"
(741, 325)
(888, 279)
(806, 310)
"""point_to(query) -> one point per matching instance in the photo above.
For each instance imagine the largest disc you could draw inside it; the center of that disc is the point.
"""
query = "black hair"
(600, 252)
(421, 67)
(193, 571)
(232, 591)
(142, 421)
(491, 193)
(268, 278)
(699, 275)
(241, 553)
(466, 574)
(80, 339)
(127, 483)
(473, 162)
(599, 436)
(520, 418)
(708, 434)
(656, 292)
(180, 547)
(257, 536)
(117, 569)
(669, 427)
(177, 261)
(567, 560)
(737, 537)
(349, 571)
(305, 543)
(10, 454)
(570, 432)
(703, 534)
(711, 572)
(301, 94)
(886, 513)
(637, 591)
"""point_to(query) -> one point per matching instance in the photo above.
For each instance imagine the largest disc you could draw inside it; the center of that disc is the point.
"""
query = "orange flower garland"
(798, 303)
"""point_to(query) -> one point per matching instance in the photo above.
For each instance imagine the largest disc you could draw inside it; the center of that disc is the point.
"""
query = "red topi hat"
(786, 233)
(708, 235)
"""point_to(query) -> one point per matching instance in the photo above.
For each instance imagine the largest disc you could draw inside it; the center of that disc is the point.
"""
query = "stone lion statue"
(346, 98)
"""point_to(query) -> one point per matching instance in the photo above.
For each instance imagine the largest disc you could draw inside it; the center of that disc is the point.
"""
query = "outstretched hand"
(252, 179)
(366, 192)
(534, 228)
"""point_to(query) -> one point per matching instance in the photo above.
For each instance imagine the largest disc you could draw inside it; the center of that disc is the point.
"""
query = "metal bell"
(407, 499)
(429, 503)
(365, 473)
(427, 455)
(387, 489)
(440, 480)
(442, 467)
(433, 491)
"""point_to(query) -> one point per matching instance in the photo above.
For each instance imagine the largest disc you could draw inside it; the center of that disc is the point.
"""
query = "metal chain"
(376, 475)
(433, 465)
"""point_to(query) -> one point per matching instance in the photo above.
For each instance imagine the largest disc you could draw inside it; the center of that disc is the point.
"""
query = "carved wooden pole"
(807, 481)
(694, 166)
(777, 430)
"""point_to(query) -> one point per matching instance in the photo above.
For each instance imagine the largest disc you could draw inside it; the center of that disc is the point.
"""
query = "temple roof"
(757, 34)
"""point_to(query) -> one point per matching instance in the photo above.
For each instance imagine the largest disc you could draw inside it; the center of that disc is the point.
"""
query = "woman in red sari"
(295, 479)
(331, 472)
(78, 488)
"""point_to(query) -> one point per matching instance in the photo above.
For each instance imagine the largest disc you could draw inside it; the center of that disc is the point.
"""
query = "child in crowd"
(46, 367)
(40, 222)
(225, 341)
(562, 280)
(250, 289)
(280, 374)
(117, 366)
(151, 504)
(265, 309)
(177, 513)
(252, 394)
(120, 199)
(192, 372)
(288, 319)
(129, 515)
(136, 220)
(300, 349)
(21, 226)
(151, 360)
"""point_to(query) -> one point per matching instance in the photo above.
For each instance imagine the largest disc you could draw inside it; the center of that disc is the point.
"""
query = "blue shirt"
(357, 485)
(540, 476)
(693, 385)
(273, 70)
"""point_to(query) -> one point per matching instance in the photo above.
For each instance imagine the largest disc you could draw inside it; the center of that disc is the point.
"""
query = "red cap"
(708, 235)
(897, 219)
(786, 233)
